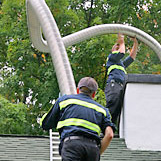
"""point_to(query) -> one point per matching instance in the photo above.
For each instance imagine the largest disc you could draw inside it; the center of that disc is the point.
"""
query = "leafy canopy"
(28, 76)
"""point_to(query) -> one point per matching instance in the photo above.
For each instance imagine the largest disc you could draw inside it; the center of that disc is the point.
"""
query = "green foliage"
(28, 76)
(100, 97)
(13, 117)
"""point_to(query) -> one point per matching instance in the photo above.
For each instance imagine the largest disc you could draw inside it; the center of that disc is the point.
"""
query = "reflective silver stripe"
(65, 103)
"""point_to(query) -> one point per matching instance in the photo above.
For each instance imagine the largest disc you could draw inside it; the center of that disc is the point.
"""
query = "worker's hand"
(120, 36)
(120, 39)
(133, 52)
(134, 39)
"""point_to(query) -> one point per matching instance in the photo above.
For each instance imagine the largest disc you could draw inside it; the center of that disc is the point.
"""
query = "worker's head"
(88, 86)
(115, 47)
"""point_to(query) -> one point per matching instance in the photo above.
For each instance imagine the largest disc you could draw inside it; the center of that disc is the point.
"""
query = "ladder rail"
(54, 146)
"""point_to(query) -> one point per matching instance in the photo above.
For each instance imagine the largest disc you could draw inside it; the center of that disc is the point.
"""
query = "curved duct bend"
(39, 16)
(113, 29)
(42, 45)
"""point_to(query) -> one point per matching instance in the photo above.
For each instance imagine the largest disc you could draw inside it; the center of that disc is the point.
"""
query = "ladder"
(54, 145)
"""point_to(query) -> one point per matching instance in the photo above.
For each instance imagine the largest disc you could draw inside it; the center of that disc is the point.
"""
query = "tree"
(13, 118)
(28, 76)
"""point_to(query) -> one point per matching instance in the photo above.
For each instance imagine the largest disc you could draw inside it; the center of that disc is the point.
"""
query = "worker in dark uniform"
(80, 120)
(116, 76)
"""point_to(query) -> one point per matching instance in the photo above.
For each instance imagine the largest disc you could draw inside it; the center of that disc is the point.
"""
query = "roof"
(37, 148)
(143, 78)
(24, 148)
(118, 151)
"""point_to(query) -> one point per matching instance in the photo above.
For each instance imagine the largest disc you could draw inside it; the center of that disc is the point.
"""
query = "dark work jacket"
(116, 67)
(77, 115)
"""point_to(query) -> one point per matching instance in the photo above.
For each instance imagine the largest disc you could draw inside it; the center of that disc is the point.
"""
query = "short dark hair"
(85, 90)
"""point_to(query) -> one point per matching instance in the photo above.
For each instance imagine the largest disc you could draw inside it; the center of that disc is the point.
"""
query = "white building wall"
(140, 122)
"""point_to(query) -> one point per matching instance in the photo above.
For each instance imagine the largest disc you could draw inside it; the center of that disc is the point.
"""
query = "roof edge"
(27, 136)
(143, 78)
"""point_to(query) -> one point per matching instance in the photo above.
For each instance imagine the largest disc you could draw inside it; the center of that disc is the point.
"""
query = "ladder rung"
(55, 133)
(55, 142)
(55, 147)
(55, 137)
(55, 152)
(56, 158)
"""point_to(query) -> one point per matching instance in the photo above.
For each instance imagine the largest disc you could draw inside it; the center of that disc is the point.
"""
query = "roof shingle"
(27, 148)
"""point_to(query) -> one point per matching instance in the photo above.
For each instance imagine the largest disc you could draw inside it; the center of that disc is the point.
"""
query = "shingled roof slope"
(27, 148)
(24, 148)
(118, 151)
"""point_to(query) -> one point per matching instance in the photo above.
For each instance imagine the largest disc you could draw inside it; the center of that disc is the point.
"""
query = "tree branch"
(90, 14)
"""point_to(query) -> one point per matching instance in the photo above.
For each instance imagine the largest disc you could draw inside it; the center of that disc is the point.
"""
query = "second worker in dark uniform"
(116, 70)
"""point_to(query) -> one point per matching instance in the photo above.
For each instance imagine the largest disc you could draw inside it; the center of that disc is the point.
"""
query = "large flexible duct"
(42, 45)
(113, 28)
(39, 17)
(40, 20)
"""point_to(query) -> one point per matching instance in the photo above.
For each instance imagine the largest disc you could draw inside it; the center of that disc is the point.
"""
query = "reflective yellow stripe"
(116, 67)
(65, 103)
(115, 52)
(79, 122)
(43, 117)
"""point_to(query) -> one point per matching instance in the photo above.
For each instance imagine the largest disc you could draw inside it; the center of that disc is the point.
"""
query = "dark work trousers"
(80, 150)
(114, 99)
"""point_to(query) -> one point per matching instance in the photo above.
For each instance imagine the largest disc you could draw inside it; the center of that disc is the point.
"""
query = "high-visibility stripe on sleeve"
(115, 52)
(65, 103)
(79, 122)
(43, 117)
(116, 67)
